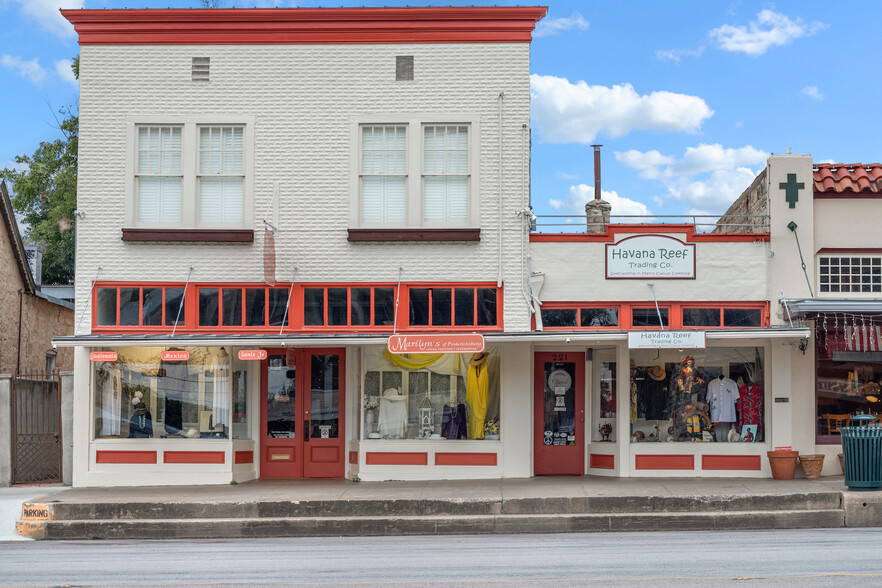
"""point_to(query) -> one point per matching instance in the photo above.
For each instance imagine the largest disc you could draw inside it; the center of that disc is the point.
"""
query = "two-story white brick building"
(279, 202)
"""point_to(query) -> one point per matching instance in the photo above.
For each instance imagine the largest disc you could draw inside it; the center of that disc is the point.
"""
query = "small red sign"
(784, 448)
(454, 343)
(175, 355)
(103, 356)
(252, 354)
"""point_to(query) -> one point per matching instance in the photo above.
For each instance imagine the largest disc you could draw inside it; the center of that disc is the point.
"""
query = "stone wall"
(753, 202)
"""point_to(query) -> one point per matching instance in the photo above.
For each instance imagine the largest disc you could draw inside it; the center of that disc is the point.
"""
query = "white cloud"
(739, 124)
(676, 55)
(769, 29)
(566, 112)
(30, 69)
(579, 195)
(553, 26)
(45, 13)
(565, 176)
(707, 177)
(62, 68)
(813, 92)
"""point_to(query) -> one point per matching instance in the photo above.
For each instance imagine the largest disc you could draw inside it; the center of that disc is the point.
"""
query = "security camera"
(568, 339)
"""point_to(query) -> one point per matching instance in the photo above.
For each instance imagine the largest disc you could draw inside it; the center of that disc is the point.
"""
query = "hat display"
(478, 359)
(656, 372)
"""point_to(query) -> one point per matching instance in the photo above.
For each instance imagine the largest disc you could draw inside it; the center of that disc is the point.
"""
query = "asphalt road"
(826, 557)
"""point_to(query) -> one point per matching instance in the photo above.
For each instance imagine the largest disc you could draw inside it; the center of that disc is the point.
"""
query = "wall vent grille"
(200, 69)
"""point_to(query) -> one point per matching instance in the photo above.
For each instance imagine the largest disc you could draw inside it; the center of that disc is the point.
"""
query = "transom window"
(850, 274)
(558, 315)
(458, 307)
(344, 306)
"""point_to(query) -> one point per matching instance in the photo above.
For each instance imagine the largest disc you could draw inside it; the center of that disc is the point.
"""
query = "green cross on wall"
(791, 189)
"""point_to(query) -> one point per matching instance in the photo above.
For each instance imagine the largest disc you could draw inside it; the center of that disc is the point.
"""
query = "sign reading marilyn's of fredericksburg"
(453, 343)
(650, 256)
(666, 340)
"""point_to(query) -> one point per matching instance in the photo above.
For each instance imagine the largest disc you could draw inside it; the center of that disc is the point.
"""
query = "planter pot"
(812, 465)
(842, 462)
(783, 464)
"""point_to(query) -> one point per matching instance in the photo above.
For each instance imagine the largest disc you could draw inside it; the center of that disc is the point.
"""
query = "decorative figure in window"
(393, 414)
(477, 394)
(685, 387)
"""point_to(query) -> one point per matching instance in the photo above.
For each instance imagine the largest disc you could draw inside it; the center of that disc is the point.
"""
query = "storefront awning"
(555, 337)
(818, 305)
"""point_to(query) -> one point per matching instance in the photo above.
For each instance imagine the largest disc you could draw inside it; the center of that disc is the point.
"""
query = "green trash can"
(862, 448)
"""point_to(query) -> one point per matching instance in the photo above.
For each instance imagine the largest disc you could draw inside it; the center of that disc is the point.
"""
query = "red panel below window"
(353, 457)
(125, 457)
(193, 457)
(389, 458)
(244, 457)
(731, 462)
(465, 459)
(665, 462)
(601, 461)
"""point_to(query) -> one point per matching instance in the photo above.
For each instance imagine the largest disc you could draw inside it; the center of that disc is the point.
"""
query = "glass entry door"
(302, 414)
(559, 414)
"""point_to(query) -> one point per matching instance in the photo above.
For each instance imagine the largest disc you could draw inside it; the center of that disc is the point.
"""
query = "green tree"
(44, 191)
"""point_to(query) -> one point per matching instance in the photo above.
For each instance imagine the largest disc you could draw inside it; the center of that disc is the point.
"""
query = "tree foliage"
(44, 191)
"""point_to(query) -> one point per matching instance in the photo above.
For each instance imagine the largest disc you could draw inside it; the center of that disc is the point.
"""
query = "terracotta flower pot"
(783, 464)
(812, 465)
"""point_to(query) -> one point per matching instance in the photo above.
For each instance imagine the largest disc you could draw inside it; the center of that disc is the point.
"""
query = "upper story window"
(414, 174)
(850, 274)
(637, 315)
(190, 173)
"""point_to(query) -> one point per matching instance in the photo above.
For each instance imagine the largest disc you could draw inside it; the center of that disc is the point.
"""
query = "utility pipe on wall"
(499, 199)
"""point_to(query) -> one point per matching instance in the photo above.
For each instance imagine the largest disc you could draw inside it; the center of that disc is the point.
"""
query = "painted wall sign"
(666, 340)
(252, 354)
(791, 189)
(103, 356)
(174, 355)
(465, 343)
(650, 256)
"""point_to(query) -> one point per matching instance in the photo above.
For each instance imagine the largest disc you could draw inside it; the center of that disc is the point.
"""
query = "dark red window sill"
(190, 235)
(359, 235)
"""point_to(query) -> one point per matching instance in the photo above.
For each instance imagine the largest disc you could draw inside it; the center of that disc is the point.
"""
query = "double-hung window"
(383, 174)
(221, 174)
(159, 176)
(445, 174)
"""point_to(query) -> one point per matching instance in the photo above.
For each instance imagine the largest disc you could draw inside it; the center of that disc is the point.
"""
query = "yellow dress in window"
(477, 394)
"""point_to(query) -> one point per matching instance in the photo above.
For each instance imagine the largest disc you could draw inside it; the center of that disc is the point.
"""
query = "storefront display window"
(159, 393)
(430, 396)
(710, 395)
(604, 400)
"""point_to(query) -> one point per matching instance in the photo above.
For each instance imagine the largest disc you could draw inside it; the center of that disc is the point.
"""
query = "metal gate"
(36, 429)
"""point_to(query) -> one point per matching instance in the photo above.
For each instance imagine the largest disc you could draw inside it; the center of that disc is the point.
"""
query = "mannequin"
(393, 415)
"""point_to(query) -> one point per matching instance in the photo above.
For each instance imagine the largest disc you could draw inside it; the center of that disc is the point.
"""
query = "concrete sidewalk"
(11, 499)
(544, 504)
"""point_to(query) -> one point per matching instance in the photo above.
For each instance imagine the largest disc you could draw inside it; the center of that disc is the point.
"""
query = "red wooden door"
(559, 414)
(302, 414)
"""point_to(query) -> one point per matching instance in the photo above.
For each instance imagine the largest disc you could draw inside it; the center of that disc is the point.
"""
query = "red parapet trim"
(664, 462)
(286, 26)
(602, 461)
(390, 458)
(465, 459)
(353, 457)
(731, 462)
(848, 195)
(834, 250)
(106, 456)
(612, 230)
(189, 235)
(193, 457)
(373, 235)
(243, 457)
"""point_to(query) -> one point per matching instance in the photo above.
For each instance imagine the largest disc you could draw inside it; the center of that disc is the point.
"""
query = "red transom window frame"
(631, 315)
(236, 307)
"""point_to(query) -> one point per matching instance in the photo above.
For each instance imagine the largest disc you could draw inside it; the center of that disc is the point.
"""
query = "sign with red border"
(650, 257)
(252, 354)
(784, 448)
(103, 356)
(175, 355)
(453, 343)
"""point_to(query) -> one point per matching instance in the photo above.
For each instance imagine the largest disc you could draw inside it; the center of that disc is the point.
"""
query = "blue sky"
(688, 97)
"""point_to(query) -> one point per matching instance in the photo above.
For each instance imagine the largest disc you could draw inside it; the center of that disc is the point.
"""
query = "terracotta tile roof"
(848, 177)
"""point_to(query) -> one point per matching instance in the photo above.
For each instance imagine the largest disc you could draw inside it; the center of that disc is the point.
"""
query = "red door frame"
(300, 457)
(558, 460)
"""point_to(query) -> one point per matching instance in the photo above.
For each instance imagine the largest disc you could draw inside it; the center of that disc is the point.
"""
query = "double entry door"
(302, 414)
(559, 414)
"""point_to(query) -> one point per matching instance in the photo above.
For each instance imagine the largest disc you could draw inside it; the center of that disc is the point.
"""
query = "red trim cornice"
(656, 229)
(291, 26)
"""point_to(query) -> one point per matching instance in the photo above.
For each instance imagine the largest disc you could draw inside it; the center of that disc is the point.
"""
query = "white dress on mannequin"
(393, 415)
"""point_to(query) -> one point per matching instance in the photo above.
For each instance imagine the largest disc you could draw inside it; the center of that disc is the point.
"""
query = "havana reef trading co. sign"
(650, 256)
(666, 340)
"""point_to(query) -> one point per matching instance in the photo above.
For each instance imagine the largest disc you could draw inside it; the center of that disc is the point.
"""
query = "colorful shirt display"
(721, 396)
(750, 405)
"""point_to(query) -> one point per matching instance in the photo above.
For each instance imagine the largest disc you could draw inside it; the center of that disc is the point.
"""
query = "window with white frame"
(221, 174)
(383, 174)
(412, 173)
(159, 174)
(445, 173)
(190, 173)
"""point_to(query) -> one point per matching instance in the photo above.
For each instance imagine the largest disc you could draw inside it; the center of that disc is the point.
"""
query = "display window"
(164, 393)
(713, 395)
(444, 396)
(603, 410)
(641, 315)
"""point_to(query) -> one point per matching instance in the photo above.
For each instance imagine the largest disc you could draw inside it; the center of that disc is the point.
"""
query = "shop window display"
(197, 393)
(711, 395)
(603, 407)
(430, 396)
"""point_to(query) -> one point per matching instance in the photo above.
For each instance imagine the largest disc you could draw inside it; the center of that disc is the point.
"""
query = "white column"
(82, 417)
(780, 413)
(623, 410)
